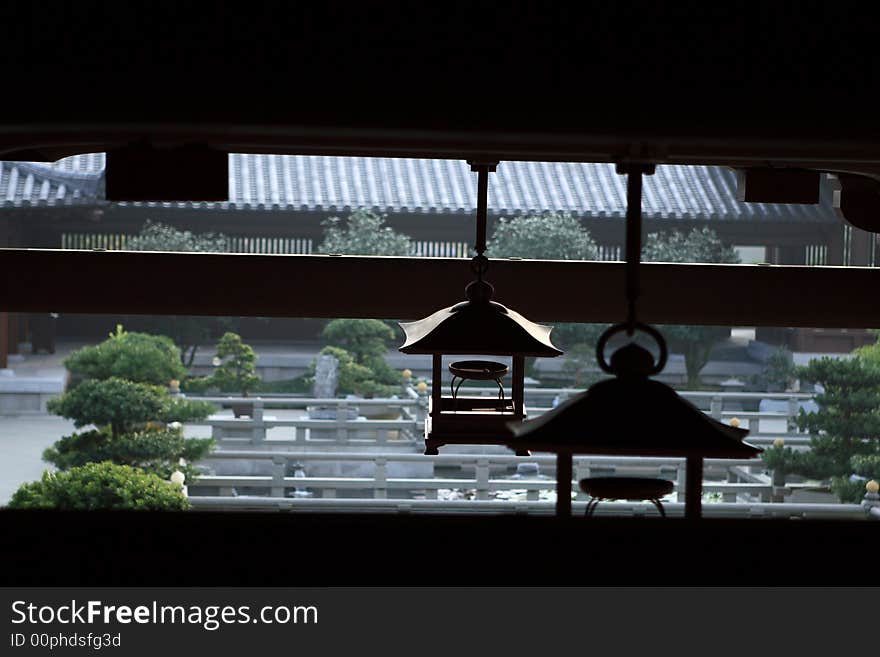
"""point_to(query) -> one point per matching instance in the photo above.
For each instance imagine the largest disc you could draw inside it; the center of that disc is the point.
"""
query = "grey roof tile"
(339, 184)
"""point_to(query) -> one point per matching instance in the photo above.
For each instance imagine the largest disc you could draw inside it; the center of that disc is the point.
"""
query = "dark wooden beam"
(693, 498)
(777, 185)
(408, 288)
(4, 339)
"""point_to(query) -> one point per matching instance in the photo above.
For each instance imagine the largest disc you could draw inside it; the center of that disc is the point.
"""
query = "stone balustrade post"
(680, 482)
(279, 470)
(732, 478)
(258, 424)
(716, 405)
(482, 479)
(421, 409)
(342, 418)
(581, 471)
(380, 489)
(871, 500)
(777, 481)
(793, 408)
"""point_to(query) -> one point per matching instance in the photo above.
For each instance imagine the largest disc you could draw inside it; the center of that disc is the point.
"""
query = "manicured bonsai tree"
(364, 339)
(159, 451)
(131, 421)
(235, 369)
(361, 345)
(124, 406)
(844, 433)
(355, 378)
(123, 392)
(115, 403)
(138, 357)
(100, 486)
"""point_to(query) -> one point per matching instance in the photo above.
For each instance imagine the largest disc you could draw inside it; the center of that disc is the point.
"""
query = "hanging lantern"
(631, 414)
(476, 326)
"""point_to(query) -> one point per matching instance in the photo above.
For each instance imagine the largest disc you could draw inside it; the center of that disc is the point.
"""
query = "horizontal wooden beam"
(667, 145)
(391, 287)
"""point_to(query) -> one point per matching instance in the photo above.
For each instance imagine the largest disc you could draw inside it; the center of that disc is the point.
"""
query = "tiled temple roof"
(337, 184)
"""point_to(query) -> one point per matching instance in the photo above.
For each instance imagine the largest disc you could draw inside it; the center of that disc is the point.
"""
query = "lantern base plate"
(476, 433)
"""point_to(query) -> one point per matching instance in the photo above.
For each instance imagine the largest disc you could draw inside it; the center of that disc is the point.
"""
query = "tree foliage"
(100, 486)
(553, 236)
(159, 451)
(870, 353)
(699, 245)
(137, 424)
(121, 405)
(236, 369)
(363, 233)
(844, 433)
(156, 236)
(124, 406)
(376, 380)
(137, 357)
(366, 342)
(542, 236)
(365, 339)
(779, 372)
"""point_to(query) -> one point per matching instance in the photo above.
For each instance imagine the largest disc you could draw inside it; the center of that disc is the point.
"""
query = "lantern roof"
(478, 326)
(632, 415)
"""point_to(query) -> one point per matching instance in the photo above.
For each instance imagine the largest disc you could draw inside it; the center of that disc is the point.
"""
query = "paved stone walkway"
(22, 441)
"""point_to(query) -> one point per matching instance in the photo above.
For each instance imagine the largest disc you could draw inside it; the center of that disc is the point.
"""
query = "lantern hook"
(634, 172)
(480, 263)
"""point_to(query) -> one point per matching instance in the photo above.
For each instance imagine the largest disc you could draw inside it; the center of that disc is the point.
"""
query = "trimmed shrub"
(124, 406)
(100, 486)
(156, 451)
(138, 357)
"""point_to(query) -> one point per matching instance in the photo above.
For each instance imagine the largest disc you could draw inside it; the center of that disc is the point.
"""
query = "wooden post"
(563, 484)
(518, 392)
(14, 336)
(861, 248)
(4, 338)
(693, 502)
(835, 245)
(436, 384)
